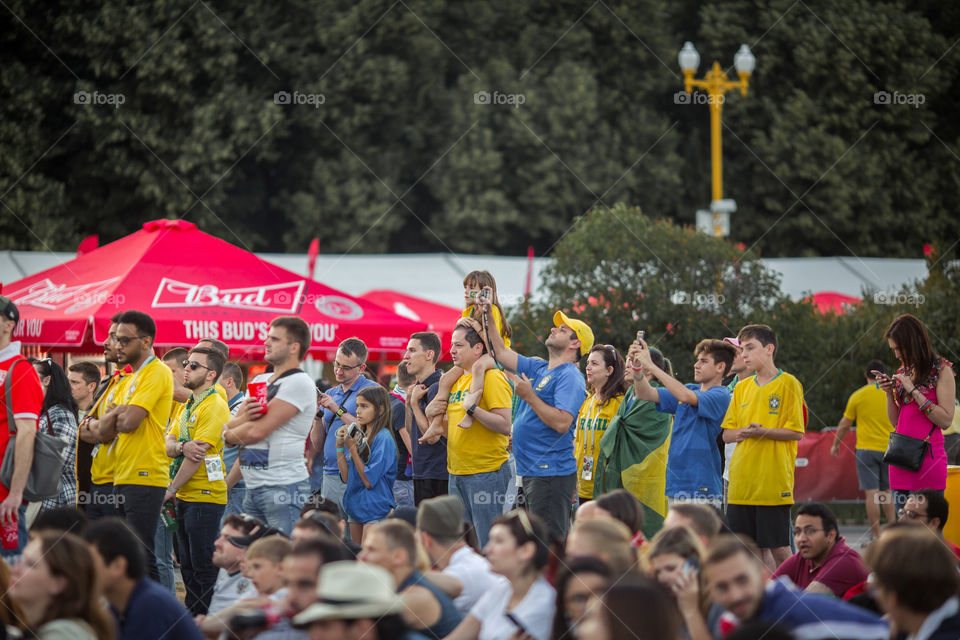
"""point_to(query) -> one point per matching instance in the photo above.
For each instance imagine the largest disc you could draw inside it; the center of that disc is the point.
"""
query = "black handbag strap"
(7, 383)
(927, 439)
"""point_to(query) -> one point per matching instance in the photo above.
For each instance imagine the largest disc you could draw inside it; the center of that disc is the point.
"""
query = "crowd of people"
(507, 497)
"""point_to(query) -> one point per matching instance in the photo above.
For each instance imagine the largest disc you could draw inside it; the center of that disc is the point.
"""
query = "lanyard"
(591, 422)
(189, 408)
(133, 383)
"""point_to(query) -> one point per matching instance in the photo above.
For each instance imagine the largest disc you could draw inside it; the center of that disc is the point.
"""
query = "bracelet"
(341, 450)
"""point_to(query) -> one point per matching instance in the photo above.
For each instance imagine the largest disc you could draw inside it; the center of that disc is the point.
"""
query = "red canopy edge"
(194, 286)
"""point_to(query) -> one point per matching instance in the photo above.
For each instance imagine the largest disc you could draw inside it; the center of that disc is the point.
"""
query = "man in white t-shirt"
(271, 458)
(441, 531)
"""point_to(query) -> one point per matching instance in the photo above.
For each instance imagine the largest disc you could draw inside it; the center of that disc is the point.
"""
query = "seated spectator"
(673, 557)
(701, 518)
(929, 507)
(263, 562)
(577, 582)
(605, 539)
(143, 609)
(823, 562)
(355, 600)
(518, 551)
(301, 570)
(441, 531)
(231, 584)
(55, 585)
(917, 584)
(65, 519)
(635, 609)
(11, 615)
(737, 579)
(621, 505)
(316, 523)
(392, 545)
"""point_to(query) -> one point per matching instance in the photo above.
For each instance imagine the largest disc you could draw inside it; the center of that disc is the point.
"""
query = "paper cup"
(8, 536)
(258, 391)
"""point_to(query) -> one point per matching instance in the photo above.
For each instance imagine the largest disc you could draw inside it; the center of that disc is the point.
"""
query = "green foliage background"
(399, 157)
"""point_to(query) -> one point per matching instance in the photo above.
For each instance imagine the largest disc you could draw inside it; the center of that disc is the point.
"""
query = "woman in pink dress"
(920, 399)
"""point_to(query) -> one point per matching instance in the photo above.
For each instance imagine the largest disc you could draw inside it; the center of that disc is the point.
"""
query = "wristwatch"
(340, 411)
(470, 410)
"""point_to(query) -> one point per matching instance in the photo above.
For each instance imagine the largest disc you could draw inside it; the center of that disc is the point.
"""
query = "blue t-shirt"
(538, 449)
(366, 505)
(153, 613)
(429, 460)
(348, 400)
(694, 468)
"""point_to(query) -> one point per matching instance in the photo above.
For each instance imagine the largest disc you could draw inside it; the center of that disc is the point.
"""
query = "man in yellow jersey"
(867, 407)
(100, 501)
(477, 457)
(199, 484)
(765, 419)
(141, 469)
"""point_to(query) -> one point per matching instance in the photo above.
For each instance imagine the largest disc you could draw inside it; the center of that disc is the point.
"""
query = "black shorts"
(768, 526)
(425, 488)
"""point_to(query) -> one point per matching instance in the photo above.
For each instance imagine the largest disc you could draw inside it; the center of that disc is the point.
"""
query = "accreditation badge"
(214, 467)
(587, 469)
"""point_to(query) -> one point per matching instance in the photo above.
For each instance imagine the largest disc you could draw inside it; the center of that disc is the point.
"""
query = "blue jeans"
(510, 503)
(483, 495)
(163, 547)
(278, 505)
(403, 493)
(235, 498)
(316, 473)
(199, 528)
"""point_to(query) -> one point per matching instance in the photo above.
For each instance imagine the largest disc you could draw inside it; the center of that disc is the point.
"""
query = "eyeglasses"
(344, 367)
(193, 365)
(807, 531)
(123, 341)
(910, 514)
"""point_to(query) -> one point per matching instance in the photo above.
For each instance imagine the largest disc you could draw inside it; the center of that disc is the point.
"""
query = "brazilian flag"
(633, 456)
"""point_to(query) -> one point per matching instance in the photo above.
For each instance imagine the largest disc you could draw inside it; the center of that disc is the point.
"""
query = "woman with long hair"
(518, 551)
(55, 584)
(578, 581)
(368, 462)
(605, 379)
(637, 608)
(673, 560)
(58, 417)
(920, 398)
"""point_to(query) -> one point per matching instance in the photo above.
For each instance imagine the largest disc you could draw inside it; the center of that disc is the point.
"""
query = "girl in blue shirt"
(368, 464)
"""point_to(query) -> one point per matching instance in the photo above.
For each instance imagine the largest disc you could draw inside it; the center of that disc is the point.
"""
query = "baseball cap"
(584, 334)
(441, 516)
(8, 309)
(734, 341)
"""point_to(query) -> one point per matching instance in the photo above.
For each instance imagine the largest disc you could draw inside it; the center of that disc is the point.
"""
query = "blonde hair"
(609, 537)
(272, 548)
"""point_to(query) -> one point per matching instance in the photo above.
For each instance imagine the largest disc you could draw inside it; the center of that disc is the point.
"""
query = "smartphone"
(691, 566)
(512, 618)
(641, 335)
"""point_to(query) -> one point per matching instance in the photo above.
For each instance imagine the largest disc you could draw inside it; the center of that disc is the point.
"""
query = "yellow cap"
(584, 334)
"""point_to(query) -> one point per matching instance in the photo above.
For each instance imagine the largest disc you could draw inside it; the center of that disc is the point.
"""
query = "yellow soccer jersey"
(867, 408)
(497, 321)
(205, 424)
(592, 421)
(761, 469)
(477, 449)
(101, 468)
(141, 458)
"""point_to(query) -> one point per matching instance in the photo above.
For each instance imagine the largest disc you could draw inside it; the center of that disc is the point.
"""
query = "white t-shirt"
(229, 589)
(278, 459)
(473, 571)
(535, 612)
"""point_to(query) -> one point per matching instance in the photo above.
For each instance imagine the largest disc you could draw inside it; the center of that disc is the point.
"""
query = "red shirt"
(26, 395)
(841, 570)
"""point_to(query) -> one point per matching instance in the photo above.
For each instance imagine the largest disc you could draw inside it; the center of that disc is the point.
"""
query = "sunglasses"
(525, 523)
(193, 365)
(123, 341)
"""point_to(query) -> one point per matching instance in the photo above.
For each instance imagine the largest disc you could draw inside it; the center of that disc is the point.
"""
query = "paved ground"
(857, 535)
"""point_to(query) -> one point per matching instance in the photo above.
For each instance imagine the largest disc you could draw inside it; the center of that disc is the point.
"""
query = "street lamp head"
(689, 57)
(744, 60)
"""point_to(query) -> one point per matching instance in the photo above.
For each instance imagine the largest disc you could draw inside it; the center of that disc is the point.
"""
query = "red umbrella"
(832, 301)
(194, 286)
(439, 317)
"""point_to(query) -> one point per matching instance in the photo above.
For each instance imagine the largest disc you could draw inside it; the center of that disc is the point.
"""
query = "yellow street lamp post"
(716, 84)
